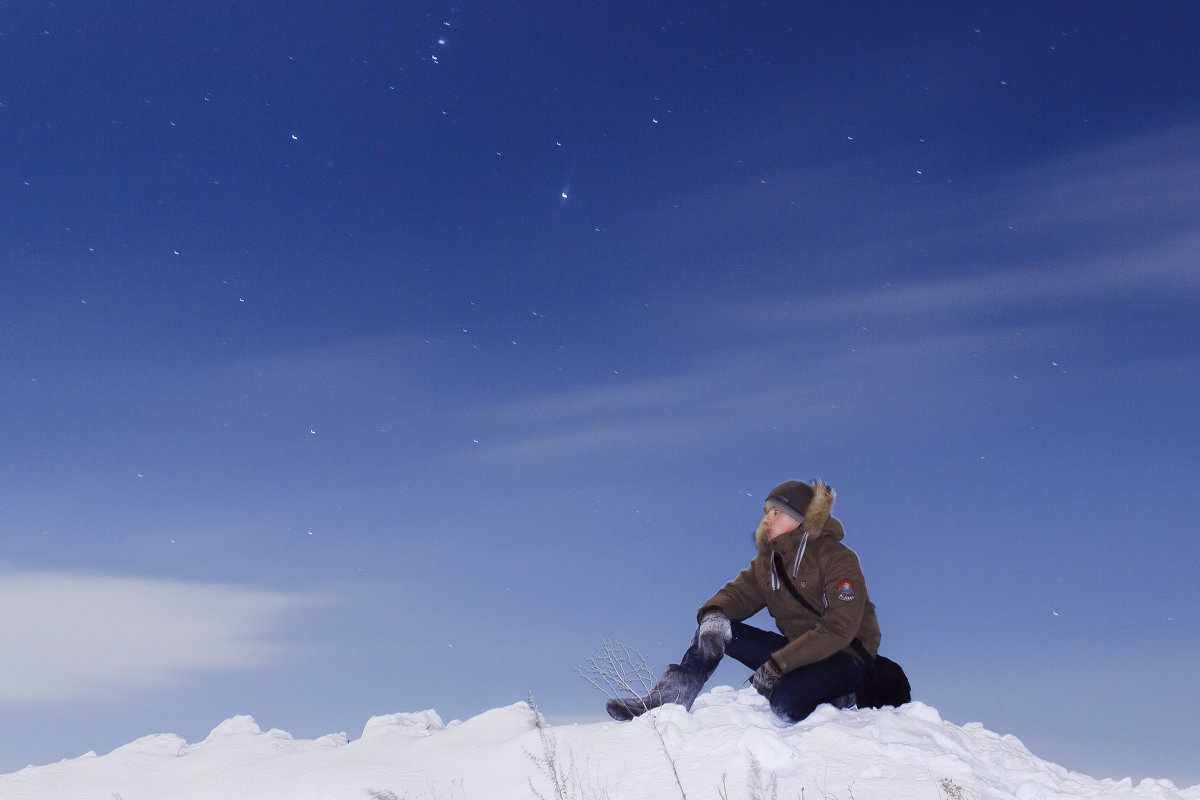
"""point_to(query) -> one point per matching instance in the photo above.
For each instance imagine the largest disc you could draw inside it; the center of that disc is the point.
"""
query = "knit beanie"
(792, 498)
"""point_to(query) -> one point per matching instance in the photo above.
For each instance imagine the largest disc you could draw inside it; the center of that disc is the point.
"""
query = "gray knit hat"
(792, 498)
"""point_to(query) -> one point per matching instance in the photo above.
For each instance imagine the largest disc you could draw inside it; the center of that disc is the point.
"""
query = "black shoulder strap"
(787, 584)
(862, 651)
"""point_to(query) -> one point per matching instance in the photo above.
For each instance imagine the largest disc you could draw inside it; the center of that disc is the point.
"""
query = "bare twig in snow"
(621, 671)
(618, 670)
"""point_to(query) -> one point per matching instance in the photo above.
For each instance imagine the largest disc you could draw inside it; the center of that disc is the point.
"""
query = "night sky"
(373, 357)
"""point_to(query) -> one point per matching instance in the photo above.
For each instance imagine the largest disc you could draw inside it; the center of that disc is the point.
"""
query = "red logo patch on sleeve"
(845, 591)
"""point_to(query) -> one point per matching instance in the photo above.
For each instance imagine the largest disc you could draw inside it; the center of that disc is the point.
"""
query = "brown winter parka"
(826, 573)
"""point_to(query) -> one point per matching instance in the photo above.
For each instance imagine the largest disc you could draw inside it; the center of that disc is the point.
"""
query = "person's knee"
(792, 700)
(790, 708)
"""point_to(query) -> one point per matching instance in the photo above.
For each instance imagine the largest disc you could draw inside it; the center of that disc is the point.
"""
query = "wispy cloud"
(1027, 275)
(629, 416)
(785, 386)
(1152, 178)
(1060, 284)
(1098, 227)
(75, 637)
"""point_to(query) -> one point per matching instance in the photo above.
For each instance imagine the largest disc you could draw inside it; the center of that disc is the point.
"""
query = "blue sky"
(374, 358)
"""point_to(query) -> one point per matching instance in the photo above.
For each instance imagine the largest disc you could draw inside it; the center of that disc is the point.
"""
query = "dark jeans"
(798, 692)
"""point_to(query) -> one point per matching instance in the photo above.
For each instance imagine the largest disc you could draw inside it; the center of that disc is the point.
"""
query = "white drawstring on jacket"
(795, 565)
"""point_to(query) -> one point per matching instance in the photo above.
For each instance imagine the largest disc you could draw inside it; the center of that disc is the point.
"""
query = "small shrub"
(951, 789)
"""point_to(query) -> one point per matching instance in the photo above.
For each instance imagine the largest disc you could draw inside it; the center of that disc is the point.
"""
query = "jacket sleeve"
(739, 599)
(845, 598)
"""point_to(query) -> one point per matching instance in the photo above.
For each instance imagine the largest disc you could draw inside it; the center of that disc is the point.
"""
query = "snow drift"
(730, 746)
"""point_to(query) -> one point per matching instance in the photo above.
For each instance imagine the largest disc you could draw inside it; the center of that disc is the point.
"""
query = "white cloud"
(1060, 284)
(74, 637)
(764, 388)
(1148, 178)
(1090, 229)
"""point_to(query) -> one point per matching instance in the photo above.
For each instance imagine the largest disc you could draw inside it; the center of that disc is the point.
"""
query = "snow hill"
(729, 747)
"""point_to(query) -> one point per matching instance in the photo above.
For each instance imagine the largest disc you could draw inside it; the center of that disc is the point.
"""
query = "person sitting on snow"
(812, 586)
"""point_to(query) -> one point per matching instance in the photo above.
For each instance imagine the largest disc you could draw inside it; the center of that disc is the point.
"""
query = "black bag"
(885, 684)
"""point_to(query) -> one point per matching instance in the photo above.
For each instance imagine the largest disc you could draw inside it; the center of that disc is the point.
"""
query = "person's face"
(777, 523)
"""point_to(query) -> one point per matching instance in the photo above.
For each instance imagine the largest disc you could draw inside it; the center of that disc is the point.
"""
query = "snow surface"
(730, 746)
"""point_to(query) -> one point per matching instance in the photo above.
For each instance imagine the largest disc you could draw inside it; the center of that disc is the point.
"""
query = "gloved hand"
(765, 678)
(714, 632)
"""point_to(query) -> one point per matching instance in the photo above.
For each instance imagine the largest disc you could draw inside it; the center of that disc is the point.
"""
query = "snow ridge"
(730, 745)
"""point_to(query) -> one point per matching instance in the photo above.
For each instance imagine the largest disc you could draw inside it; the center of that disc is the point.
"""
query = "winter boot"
(677, 685)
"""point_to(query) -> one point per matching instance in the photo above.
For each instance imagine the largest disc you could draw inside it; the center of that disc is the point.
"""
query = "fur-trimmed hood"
(816, 516)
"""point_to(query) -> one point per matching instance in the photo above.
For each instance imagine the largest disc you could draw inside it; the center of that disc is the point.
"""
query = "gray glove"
(765, 678)
(714, 632)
